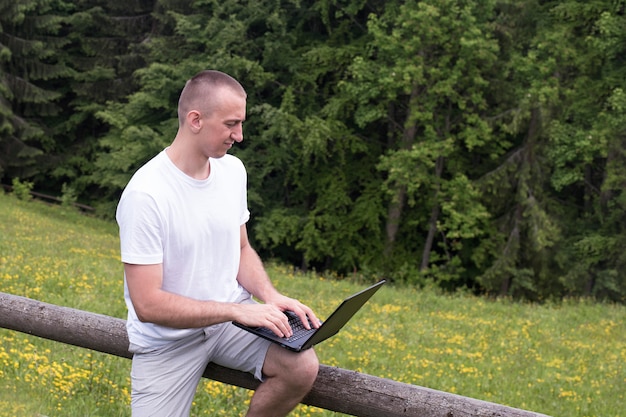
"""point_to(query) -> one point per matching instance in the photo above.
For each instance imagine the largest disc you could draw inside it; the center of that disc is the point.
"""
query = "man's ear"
(194, 121)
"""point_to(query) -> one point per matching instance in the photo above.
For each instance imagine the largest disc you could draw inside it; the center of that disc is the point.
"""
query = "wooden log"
(335, 389)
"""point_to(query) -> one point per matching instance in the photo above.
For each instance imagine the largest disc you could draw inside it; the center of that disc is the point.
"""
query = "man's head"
(211, 112)
(203, 92)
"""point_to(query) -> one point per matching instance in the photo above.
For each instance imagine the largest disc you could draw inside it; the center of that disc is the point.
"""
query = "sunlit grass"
(564, 359)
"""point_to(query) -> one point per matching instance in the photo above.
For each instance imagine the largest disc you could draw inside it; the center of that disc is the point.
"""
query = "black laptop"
(304, 339)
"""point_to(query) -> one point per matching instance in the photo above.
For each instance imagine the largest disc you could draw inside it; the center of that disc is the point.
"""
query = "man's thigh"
(239, 349)
(164, 382)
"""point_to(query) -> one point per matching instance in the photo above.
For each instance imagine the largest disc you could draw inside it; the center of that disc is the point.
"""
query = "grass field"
(566, 359)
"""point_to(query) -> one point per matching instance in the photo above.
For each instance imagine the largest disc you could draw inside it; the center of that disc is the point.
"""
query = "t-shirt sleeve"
(140, 229)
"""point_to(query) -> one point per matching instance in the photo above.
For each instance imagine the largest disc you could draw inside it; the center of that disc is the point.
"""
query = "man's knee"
(303, 377)
(299, 369)
(310, 366)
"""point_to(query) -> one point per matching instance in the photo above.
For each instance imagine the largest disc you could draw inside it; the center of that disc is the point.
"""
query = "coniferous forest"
(475, 144)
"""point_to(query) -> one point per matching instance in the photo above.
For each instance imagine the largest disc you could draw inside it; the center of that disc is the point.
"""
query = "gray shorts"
(164, 381)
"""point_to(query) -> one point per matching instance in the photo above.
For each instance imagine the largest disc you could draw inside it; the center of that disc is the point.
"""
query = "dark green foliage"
(64, 61)
(29, 44)
(469, 144)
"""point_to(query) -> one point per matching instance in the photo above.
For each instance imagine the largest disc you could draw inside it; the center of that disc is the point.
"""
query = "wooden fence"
(50, 199)
(335, 389)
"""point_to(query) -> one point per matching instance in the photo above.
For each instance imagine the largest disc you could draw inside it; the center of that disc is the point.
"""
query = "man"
(189, 269)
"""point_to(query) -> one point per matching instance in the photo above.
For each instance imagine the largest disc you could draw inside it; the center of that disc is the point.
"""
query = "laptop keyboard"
(298, 329)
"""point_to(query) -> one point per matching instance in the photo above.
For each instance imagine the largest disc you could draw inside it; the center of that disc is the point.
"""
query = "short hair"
(201, 92)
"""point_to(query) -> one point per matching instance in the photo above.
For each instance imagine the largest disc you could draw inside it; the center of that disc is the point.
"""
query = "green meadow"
(561, 359)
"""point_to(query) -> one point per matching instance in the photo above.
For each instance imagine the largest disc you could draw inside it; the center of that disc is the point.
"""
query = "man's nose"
(237, 134)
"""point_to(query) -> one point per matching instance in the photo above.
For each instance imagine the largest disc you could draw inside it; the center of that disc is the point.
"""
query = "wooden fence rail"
(335, 389)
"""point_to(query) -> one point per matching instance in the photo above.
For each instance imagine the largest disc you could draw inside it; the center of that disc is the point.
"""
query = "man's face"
(222, 127)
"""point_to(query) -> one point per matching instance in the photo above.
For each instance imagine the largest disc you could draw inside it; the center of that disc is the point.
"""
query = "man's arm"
(153, 304)
(253, 277)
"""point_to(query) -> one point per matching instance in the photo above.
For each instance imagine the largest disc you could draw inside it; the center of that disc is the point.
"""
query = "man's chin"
(218, 155)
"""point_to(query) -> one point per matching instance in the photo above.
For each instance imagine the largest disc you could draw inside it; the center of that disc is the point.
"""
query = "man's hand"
(264, 315)
(271, 315)
(305, 314)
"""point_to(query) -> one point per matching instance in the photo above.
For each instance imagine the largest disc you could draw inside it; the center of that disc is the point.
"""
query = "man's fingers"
(280, 324)
(308, 318)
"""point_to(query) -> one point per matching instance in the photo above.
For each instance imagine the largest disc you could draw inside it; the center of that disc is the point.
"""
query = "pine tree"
(28, 46)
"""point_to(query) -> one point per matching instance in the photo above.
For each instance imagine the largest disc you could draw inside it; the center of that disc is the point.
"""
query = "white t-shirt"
(190, 226)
